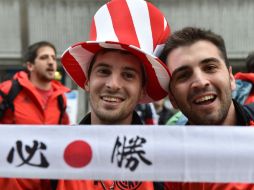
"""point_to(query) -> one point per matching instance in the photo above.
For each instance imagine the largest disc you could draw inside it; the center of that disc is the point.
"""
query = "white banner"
(157, 153)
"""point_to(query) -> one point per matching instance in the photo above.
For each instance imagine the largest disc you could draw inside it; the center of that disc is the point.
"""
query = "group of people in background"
(129, 79)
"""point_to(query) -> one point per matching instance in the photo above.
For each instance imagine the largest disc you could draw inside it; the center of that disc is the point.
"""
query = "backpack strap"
(8, 99)
(158, 186)
(53, 184)
(3, 104)
(61, 107)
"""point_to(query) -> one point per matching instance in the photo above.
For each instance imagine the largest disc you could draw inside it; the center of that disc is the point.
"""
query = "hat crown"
(132, 22)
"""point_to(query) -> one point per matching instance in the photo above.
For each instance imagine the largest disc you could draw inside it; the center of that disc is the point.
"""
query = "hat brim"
(76, 60)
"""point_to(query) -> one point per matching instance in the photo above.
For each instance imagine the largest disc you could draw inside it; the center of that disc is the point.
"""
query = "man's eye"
(43, 57)
(103, 71)
(182, 76)
(210, 68)
(129, 75)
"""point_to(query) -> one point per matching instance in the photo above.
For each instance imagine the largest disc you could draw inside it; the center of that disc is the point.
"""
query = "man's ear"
(172, 99)
(87, 86)
(29, 66)
(232, 79)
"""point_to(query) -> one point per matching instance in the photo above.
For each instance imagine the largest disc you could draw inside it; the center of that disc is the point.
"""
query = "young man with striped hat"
(119, 68)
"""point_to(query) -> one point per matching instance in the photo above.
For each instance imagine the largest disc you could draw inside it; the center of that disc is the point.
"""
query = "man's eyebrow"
(204, 61)
(101, 64)
(131, 69)
(180, 69)
(210, 59)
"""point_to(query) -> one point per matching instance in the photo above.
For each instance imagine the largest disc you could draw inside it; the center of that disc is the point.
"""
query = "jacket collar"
(242, 118)
(135, 119)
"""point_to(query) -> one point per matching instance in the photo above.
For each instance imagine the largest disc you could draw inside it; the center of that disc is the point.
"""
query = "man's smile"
(112, 99)
(205, 99)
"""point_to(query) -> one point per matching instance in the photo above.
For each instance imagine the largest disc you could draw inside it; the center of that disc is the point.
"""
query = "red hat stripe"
(157, 24)
(93, 33)
(166, 31)
(72, 67)
(141, 20)
(164, 36)
(120, 27)
(162, 39)
(81, 55)
(104, 26)
(91, 47)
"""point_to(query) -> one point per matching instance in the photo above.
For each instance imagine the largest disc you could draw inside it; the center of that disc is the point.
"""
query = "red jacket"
(92, 185)
(30, 100)
(208, 186)
(29, 110)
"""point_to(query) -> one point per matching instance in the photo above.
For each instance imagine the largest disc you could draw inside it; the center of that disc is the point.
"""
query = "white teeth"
(111, 99)
(205, 98)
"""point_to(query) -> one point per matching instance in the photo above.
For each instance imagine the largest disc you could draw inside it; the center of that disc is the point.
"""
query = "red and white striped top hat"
(136, 26)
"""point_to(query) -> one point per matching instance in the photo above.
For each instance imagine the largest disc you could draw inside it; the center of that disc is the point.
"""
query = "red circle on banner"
(78, 154)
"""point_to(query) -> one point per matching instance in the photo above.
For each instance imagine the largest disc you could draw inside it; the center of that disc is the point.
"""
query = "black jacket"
(244, 114)
(136, 120)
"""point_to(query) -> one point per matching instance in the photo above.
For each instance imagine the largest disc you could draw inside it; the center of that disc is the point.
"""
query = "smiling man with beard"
(201, 87)
(115, 86)
(119, 68)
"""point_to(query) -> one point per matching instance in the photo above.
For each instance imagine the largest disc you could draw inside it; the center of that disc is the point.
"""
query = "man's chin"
(49, 78)
(111, 117)
(205, 120)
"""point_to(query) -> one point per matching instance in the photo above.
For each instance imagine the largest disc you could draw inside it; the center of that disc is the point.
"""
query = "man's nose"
(199, 80)
(114, 82)
(51, 60)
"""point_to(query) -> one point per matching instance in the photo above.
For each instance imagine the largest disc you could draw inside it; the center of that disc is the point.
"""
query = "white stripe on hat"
(104, 27)
(160, 72)
(165, 23)
(158, 50)
(81, 55)
(142, 24)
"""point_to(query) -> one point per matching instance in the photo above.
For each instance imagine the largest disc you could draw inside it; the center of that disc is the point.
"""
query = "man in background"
(39, 99)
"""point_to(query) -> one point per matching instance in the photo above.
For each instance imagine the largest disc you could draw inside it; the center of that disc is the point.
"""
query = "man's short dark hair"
(250, 62)
(31, 52)
(190, 35)
(105, 50)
